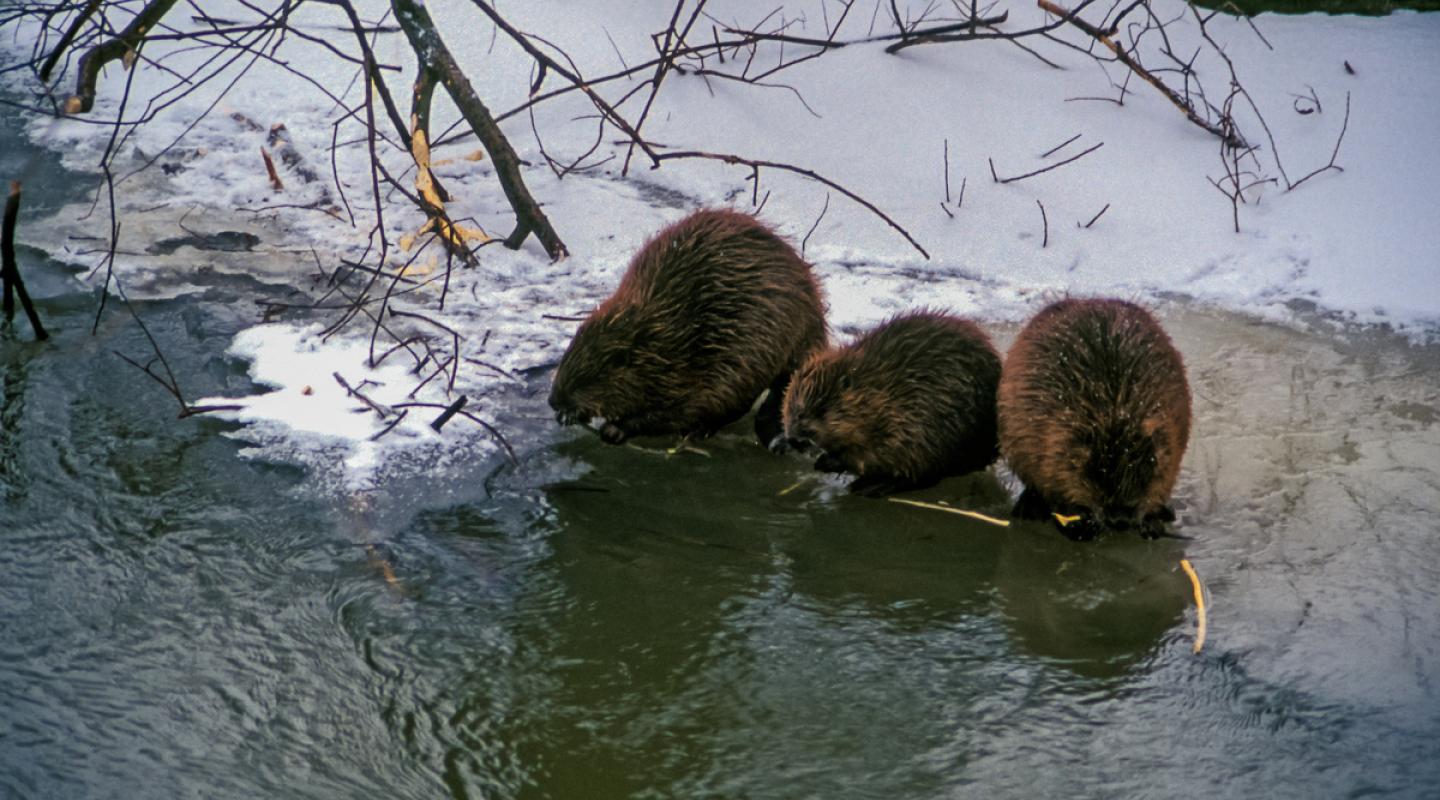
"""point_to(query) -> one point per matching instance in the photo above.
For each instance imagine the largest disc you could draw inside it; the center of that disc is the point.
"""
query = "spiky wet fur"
(1095, 416)
(906, 404)
(713, 310)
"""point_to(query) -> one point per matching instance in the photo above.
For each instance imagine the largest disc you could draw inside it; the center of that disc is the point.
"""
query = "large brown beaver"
(712, 311)
(1094, 417)
(903, 406)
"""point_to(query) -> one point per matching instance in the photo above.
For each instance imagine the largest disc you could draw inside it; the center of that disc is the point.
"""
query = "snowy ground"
(1359, 246)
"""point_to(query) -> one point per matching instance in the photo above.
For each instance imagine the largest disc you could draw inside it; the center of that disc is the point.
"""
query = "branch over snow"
(433, 54)
(1230, 137)
(756, 164)
(67, 38)
(121, 46)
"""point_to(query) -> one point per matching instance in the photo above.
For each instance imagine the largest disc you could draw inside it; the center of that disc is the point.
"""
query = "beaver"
(1094, 417)
(711, 312)
(901, 407)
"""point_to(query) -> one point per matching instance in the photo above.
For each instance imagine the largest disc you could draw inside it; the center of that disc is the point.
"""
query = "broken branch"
(1230, 137)
(10, 269)
(97, 57)
(431, 51)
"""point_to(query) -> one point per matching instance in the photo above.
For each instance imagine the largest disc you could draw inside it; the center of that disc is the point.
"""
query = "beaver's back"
(913, 399)
(1094, 408)
(724, 292)
(712, 310)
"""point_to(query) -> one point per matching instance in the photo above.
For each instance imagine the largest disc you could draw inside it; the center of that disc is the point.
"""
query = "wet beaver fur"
(712, 311)
(903, 406)
(1094, 417)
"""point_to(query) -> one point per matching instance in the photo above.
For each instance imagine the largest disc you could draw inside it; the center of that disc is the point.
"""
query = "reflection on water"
(622, 622)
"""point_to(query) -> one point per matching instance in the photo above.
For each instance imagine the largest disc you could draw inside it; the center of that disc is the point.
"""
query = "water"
(618, 622)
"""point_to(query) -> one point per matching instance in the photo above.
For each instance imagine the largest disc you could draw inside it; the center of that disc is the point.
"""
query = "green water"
(601, 622)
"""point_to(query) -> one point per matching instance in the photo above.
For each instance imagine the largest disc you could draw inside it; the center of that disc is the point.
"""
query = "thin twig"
(947, 173)
(379, 410)
(823, 209)
(509, 451)
(1334, 153)
(756, 164)
(1056, 165)
(1097, 216)
(1232, 137)
(1045, 221)
(399, 418)
(1060, 146)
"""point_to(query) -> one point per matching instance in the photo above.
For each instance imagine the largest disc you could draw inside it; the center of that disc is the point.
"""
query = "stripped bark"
(432, 53)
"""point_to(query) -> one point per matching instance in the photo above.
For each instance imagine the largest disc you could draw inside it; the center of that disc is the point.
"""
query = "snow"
(1360, 245)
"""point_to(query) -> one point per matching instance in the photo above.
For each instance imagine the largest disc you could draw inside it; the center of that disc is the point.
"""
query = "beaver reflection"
(686, 556)
(1096, 610)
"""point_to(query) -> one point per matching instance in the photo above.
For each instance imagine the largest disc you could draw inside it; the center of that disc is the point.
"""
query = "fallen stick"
(449, 412)
(432, 54)
(380, 562)
(380, 411)
(275, 182)
(10, 269)
(1004, 523)
(509, 451)
(1076, 157)
(1199, 603)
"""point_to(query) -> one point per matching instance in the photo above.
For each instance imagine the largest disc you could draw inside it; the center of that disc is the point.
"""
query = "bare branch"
(97, 57)
(756, 164)
(823, 209)
(1231, 137)
(431, 51)
(1334, 153)
(67, 38)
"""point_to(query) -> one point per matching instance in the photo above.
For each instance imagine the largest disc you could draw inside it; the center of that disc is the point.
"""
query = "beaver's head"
(1114, 487)
(602, 373)
(826, 408)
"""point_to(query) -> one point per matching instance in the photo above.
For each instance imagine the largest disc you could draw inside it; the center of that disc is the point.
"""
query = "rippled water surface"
(603, 622)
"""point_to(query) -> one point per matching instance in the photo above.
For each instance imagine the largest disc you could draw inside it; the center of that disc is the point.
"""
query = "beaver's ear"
(845, 381)
(1159, 437)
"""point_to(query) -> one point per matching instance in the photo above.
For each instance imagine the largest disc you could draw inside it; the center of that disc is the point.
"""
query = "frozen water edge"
(505, 308)
(1347, 250)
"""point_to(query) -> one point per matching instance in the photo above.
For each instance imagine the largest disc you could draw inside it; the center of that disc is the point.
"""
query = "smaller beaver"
(903, 406)
(711, 312)
(1094, 417)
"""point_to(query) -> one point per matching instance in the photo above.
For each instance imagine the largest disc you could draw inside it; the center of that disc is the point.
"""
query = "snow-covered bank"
(1361, 244)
